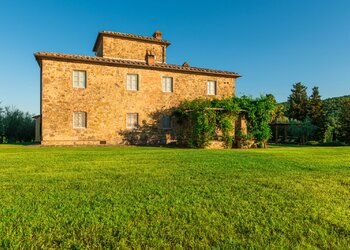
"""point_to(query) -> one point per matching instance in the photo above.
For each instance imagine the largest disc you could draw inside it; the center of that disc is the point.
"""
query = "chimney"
(186, 65)
(157, 35)
(150, 58)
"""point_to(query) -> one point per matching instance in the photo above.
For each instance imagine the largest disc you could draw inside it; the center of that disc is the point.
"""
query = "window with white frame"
(132, 120)
(167, 84)
(79, 79)
(79, 120)
(132, 82)
(211, 88)
(166, 122)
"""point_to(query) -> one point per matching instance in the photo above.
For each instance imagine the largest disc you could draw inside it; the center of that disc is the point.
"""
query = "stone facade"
(106, 99)
(134, 50)
(123, 46)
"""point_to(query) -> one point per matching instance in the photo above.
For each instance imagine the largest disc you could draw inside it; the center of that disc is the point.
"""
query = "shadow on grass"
(21, 143)
(328, 144)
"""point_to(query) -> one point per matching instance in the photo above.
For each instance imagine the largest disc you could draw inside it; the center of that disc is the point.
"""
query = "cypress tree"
(345, 121)
(317, 114)
(298, 102)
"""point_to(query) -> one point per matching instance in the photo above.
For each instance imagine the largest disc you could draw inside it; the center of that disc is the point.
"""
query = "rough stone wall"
(128, 49)
(37, 129)
(106, 101)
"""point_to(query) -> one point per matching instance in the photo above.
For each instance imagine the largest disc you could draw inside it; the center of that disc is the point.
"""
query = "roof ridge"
(132, 35)
(175, 67)
(129, 36)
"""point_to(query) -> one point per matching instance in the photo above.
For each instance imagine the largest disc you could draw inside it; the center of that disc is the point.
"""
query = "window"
(211, 88)
(166, 122)
(167, 84)
(132, 120)
(79, 120)
(132, 82)
(79, 79)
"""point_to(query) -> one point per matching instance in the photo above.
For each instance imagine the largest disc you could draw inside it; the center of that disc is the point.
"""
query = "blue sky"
(271, 43)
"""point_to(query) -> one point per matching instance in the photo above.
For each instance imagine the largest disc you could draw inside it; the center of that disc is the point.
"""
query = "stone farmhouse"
(123, 94)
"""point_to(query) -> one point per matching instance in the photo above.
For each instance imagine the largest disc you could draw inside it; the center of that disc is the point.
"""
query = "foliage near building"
(16, 126)
(206, 117)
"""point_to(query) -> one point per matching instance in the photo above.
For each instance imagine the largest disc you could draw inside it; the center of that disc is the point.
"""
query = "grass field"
(107, 197)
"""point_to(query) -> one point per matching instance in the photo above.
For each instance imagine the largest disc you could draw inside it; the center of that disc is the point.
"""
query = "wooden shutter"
(135, 82)
(128, 83)
(79, 120)
(163, 84)
(132, 120)
(167, 84)
(135, 121)
(75, 79)
(82, 79)
(132, 82)
(170, 84)
(79, 79)
(211, 88)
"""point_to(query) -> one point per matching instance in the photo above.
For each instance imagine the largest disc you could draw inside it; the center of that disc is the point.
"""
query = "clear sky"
(271, 43)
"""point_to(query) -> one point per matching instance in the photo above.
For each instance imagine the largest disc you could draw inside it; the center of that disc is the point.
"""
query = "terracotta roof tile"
(130, 63)
(129, 36)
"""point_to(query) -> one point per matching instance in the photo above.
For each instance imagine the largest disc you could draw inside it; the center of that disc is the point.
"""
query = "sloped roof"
(128, 36)
(131, 63)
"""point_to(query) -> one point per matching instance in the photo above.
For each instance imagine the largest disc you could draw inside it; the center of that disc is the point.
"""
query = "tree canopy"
(345, 121)
(16, 126)
(316, 114)
(298, 102)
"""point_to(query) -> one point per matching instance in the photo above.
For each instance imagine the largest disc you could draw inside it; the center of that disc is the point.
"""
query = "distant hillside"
(333, 106)
(339, 98)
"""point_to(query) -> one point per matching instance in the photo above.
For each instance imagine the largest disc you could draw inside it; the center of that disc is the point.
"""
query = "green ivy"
(206, 116)
(259, 113)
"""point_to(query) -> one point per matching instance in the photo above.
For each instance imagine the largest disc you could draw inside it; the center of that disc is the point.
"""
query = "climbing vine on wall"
(205, 117)
(259, 113)
(197, 115)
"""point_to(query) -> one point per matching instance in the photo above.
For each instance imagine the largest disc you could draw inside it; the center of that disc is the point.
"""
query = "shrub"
(312, 143)
(16, 126)
(205, 117)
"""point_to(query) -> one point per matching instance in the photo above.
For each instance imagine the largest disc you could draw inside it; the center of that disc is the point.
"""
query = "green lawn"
(143, 197)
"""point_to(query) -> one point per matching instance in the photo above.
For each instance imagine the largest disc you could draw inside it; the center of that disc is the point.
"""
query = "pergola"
(284, 125)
